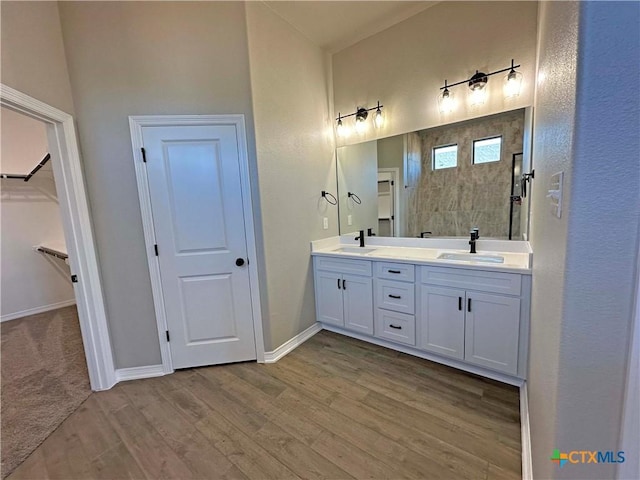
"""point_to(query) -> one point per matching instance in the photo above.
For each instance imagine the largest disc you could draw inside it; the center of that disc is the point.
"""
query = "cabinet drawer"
(395, 271)
(497, 282)
(398, 296)
(398, 327)
(356, 267)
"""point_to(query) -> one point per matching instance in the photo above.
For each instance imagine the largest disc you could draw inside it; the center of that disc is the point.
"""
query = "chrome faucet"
(361, 238)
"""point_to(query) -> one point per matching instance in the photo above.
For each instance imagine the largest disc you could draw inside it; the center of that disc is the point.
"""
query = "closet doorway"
(44, 373)
(74, 212)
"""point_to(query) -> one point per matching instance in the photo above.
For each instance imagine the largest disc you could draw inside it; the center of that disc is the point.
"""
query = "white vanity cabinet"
(471, 315)
(344, 293)
(469, 318)
(394, 298)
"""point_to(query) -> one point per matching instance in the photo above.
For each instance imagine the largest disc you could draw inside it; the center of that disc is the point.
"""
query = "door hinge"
(392, 183)
(393, 217)
(74, 278)
(167, 333)
(155, 249)
(144, 155)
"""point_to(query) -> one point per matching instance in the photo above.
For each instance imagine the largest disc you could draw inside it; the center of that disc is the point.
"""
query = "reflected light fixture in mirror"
(361, 114)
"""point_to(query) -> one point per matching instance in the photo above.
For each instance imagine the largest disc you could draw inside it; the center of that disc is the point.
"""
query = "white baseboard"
(37, 310)
(525, 429)
(136, 373)
(291, 344)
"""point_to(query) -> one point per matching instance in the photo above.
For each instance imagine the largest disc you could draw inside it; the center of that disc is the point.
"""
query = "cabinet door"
(358, 303)
(492, 331)
(329, 298)
(442, 320)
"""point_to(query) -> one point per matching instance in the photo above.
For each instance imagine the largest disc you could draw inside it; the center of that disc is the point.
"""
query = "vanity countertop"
(516, 256)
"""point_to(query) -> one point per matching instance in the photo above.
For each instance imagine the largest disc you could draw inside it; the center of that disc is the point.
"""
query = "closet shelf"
(54, 252)
(28, 176)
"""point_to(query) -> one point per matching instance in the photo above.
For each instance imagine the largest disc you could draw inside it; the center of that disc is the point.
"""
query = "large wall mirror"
(441, 181)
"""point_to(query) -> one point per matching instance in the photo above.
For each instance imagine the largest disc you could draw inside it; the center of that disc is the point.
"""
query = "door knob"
(239, 262)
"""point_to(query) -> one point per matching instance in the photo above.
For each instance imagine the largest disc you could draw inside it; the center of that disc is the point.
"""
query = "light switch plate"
(555, 193)
(349, 220)
(325, 223)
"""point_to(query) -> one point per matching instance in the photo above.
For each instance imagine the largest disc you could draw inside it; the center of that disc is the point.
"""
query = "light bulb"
(341, 129)
(446, 101)
(512, 84)
(378, 119)
(361, 125)
(478, 96)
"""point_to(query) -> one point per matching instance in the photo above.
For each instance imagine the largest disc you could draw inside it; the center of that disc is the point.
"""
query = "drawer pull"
(338, 284)
(394, 296)
(468, 305)
(397, 327)
(394, 271)
(460, 303)
(344, 284)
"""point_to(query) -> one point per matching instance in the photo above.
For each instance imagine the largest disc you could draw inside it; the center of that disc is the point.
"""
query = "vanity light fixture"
(477, 84)
(361, 115)
(446, 100)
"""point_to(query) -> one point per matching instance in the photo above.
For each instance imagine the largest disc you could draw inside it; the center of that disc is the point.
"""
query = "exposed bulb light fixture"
(361, 115)
(477, 84)
(446, 100)
(341, 129)
(378, 119)
(512, 83)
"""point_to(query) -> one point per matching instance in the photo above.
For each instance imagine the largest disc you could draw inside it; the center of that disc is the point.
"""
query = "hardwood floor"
(334, 408)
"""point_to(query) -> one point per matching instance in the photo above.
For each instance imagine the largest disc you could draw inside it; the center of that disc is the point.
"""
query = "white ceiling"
(335, 25)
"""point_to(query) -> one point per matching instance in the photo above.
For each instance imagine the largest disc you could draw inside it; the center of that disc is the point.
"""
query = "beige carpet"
(44, 379)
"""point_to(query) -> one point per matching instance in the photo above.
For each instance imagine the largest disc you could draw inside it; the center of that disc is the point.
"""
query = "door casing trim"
(83, 259)
(136, 124)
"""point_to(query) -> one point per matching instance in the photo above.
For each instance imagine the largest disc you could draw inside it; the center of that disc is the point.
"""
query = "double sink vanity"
(430, 298)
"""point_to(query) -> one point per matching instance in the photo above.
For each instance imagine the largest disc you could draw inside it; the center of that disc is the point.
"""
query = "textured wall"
(296, 161)
(448, 202)
(585, 261)
(554, 118)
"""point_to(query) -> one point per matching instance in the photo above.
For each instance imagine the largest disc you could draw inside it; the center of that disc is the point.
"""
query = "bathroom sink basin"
(360, 250)
(471, 257)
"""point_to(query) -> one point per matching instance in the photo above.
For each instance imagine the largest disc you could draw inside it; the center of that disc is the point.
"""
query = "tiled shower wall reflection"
(451, 201)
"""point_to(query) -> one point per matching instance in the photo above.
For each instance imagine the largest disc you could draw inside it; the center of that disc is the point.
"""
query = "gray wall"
(391, 155)
(584, 262)
(358, 173)
(135, 58)
(33, 58)
(296, 161)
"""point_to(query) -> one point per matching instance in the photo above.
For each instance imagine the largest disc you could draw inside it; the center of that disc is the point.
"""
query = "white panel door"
(492, 331)
(329, 297)
(442, 320)
(358, 303)
(194, 185)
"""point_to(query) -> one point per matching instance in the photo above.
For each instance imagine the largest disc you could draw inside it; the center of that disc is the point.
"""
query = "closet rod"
(53, 253)
(28, 176)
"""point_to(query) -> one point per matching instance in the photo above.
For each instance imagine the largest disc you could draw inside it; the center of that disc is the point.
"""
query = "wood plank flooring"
(334, 408)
